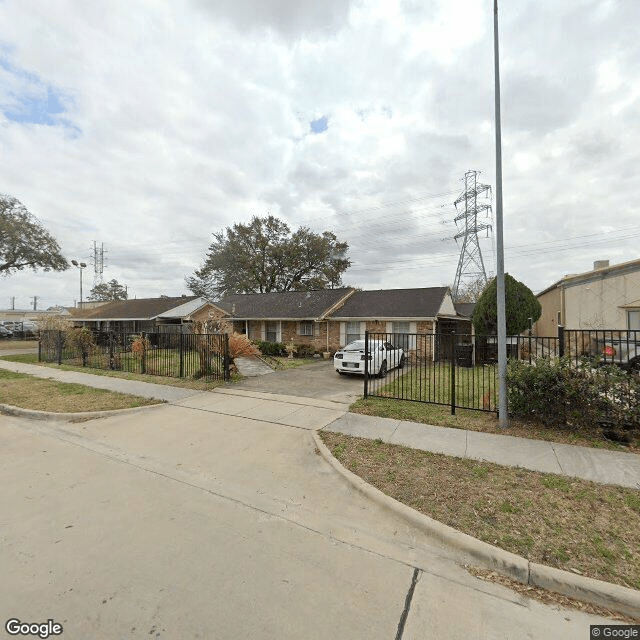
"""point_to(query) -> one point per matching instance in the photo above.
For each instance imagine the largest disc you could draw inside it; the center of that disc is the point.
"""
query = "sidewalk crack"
(407, 603)
(555, 453)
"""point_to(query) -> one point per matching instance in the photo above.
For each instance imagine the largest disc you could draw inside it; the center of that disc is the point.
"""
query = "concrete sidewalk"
(133, 387)
(599, 465)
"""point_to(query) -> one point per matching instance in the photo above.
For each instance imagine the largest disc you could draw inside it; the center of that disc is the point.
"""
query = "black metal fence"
(460, 370)
(177, 355)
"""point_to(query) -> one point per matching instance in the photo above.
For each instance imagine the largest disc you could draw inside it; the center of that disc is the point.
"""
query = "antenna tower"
(471, 266)
(98, 263)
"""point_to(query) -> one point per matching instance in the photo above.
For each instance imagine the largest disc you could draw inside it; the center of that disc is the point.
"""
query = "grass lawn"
(571, 524)
(30, 392)
(476, 387)
(187, 383)
(18, 344)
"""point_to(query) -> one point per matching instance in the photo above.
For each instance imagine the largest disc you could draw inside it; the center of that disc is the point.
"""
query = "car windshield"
(356, 345)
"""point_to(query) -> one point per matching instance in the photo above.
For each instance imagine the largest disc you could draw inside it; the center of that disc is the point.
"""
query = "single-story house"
(162, 315)
(285, 316)
(324, 319)
(607, 297)
(331, 318)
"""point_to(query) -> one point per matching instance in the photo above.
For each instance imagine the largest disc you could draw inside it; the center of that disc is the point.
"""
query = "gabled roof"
(141, 309)
(465, 309)
(393, 303)
(283, 305)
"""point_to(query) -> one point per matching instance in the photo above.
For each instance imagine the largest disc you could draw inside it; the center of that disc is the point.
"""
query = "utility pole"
(470, 265)
(502, 324)
(35, 303)
(13, 303)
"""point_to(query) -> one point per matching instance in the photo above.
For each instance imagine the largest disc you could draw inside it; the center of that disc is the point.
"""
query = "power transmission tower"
(98, 263)
(471, 265)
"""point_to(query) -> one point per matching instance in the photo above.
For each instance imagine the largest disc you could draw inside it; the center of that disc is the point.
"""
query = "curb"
(35, 414)
(611, 596)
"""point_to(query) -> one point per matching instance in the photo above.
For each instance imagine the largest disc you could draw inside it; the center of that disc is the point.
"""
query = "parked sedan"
(383, 356)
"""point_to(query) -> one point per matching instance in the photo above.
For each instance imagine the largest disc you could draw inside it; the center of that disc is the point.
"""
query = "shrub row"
(559, 392)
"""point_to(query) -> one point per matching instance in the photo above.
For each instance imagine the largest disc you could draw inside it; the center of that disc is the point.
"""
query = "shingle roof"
(393, 303)
(282, 304)
(465, 309)
(138, 309)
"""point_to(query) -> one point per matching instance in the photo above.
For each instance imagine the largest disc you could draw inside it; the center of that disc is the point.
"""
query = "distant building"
(607, 297)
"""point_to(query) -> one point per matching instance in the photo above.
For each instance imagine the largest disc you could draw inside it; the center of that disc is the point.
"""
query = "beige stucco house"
(607, 297)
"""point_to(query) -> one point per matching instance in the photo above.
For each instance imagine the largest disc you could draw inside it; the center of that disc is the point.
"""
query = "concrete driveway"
(214, 517)
(317, 380)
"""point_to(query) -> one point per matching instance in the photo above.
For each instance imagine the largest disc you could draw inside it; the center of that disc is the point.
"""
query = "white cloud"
(182, 119)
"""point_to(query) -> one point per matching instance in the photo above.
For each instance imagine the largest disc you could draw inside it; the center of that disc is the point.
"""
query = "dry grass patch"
(571, 524)
(42, 394)
(485, 422)
(186, 383)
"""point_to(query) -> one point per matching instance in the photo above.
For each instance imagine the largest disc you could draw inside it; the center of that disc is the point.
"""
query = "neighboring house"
(163, 314)
(331, 318)
(298, 316)
(607, 297)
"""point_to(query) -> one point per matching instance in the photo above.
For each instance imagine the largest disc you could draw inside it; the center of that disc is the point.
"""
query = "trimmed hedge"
(270, 348)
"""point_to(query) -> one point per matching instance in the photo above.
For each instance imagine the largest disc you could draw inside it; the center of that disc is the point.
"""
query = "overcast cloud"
(149, 125)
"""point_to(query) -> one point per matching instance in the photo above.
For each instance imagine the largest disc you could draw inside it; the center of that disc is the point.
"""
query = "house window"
(634, 320)
(271, 331)
(306, 328)
(400, 337)
(352, 332)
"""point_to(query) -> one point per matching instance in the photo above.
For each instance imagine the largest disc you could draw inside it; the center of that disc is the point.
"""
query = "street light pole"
(502, 323)
(81, 266)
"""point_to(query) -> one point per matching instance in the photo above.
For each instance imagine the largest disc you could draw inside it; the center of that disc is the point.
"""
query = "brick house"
(331, 318)
(301, 316)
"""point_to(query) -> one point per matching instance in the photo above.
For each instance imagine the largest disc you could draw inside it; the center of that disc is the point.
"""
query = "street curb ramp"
(604, 594)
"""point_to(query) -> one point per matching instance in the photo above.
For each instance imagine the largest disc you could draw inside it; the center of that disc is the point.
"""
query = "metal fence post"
(560, 340)
(40, 348)
(59, 345)
(181, 345)
(453, 373)
(366, 364)
(143, 360)
(227, 358)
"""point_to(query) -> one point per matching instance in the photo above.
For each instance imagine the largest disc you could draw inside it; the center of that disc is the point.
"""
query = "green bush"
(270, 348)
(565, 393)
(305, 350)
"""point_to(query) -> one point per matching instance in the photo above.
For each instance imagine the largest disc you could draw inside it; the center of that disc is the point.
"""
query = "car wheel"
(383, 369)
(402, 362)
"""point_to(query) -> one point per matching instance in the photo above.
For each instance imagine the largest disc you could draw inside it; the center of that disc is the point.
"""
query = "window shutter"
(343, 333)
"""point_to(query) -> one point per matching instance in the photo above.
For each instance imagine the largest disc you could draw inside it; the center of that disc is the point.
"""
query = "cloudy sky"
(147, 125)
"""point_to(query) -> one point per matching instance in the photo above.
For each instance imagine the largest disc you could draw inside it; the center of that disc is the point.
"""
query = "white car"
(383, 356)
